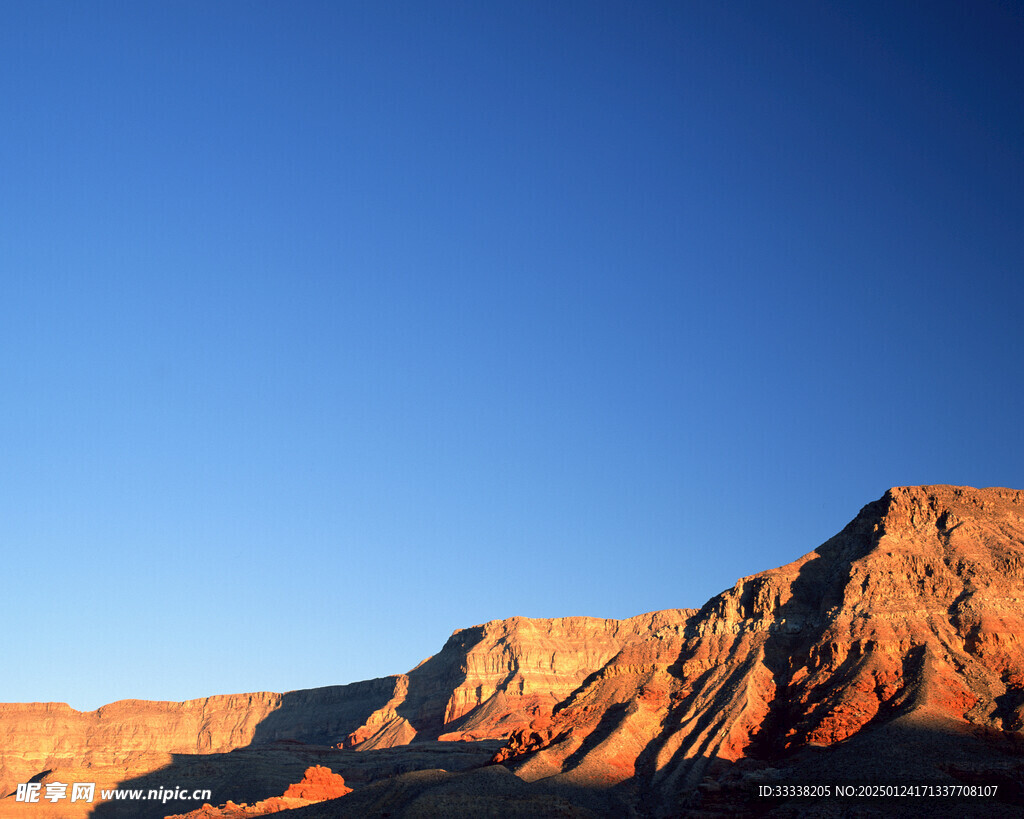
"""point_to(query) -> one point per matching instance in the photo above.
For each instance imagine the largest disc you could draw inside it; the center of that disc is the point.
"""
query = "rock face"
(901, 632)
(492, 679)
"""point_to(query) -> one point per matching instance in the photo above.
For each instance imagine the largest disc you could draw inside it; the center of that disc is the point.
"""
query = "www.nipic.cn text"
(86, 792)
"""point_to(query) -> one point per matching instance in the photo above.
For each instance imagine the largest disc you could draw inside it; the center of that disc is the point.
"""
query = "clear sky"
(329, 328)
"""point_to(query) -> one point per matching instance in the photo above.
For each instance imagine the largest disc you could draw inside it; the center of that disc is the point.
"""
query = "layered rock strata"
(902, 631)
(915, 608)
(486, 682)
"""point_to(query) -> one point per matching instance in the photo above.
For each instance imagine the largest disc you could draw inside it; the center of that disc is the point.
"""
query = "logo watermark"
(54, 792)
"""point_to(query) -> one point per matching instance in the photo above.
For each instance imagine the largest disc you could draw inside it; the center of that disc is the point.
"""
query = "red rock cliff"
(917, 606)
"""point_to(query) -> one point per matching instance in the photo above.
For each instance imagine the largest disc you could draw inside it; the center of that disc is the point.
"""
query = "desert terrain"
(890, 655)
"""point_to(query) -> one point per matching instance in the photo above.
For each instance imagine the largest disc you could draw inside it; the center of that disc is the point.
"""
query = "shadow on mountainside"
(251, 774)
(609, 722)
(799, 624)
(323, 716)
(432, 682)
(817, 590)
(244, 775)
(326, 716)
(911, 766)
(898, 753)
(491, 791)
(307, 725)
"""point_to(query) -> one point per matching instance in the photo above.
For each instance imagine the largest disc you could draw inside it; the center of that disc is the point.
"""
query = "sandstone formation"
(890, 653)
(485, 682)
(318, 784)
(491, 679)
(912, 615)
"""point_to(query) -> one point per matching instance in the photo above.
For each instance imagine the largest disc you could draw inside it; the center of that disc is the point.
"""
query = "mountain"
(906, 624)
(484, 683)
(890, 654)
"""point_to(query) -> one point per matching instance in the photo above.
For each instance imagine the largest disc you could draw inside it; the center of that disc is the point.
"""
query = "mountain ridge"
(907, 620)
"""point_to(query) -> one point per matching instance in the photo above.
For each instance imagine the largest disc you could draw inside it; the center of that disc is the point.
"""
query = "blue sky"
(329, 328)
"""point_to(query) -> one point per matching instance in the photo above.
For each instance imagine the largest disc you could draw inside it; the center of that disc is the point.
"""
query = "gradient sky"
(329, 328)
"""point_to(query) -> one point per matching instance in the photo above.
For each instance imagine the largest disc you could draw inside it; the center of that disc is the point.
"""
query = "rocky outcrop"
(318, 784)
